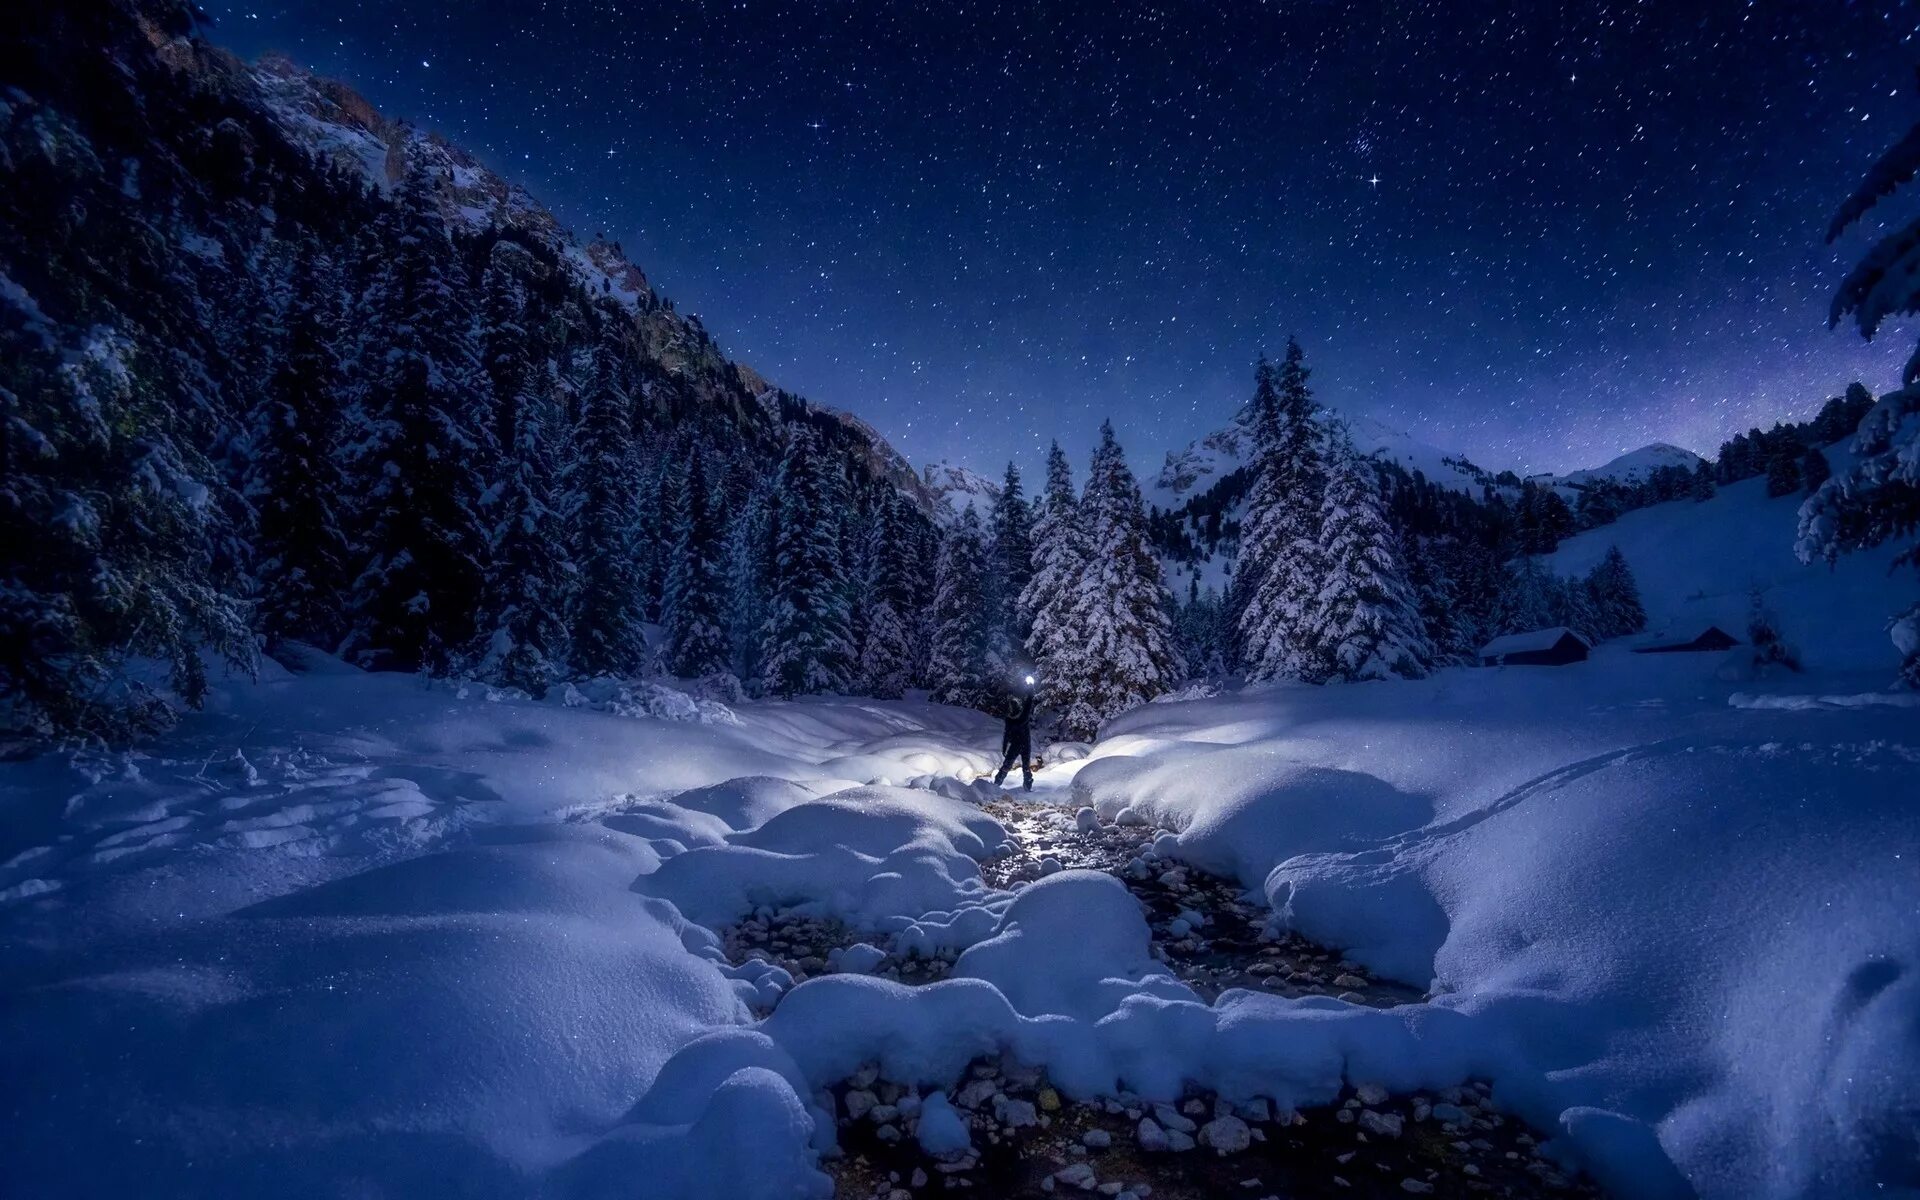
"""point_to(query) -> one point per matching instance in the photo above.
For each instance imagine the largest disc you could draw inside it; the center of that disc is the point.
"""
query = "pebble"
(1416, 1186)
(1451, 1114)
(1177, 1141)
(1098, 1139)
(860, 1102)
(864, 1077)
(1015, 1114)
(976, 1093)
(1372, 1095)
(1086, 820)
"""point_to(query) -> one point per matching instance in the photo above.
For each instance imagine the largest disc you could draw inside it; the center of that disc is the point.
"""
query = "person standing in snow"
(1016, 738)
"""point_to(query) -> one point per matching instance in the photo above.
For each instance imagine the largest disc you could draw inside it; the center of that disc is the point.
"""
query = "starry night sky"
(1537, 233)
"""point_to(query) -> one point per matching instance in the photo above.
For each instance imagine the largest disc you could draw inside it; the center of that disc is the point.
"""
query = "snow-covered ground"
(346, 935)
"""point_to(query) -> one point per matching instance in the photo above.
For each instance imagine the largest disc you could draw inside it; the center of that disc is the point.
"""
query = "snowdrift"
(342, 934)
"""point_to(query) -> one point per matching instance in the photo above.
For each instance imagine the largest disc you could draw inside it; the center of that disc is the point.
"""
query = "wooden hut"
(1539, 648)
(1711, 638)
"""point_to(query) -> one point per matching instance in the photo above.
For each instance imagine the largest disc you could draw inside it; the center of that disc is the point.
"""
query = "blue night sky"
(1536, 233)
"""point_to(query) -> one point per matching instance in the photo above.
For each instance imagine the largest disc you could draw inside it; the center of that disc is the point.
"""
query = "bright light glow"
(1029, 679)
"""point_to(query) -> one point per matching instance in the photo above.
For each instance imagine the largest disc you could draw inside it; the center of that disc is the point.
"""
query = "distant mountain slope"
(1635, 465)
(1697, 562)
(955, 488)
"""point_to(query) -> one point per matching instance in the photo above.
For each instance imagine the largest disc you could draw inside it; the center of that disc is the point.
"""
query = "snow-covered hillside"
(1697, 562)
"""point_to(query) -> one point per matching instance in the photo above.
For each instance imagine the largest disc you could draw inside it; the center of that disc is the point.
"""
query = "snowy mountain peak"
(956, 488)
(1635, 465)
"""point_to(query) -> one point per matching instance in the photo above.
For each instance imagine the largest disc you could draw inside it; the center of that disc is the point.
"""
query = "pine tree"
(1364, 622)
(1877, 498)
(1278, 571)
(429, 452)
(1814, 469)
(962, 670)
(297, 485)
(1783, 470)
(600, 484)
(1010, 567)
(1702, 487)
(1615, 597)
(749, 570)
(806, 640)
(693, 609)
(1529, 599)
(527, 582)
(886, 666)
(1127, 628)
(1061, 550)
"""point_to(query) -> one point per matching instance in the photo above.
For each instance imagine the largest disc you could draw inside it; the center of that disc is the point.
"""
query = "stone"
(1150, 1136)
(1049, 1100)
(1344, 1116)
(1078, 1175)
(888, 1133)
(859, 1103)
(919, 1179)
(884, 1114)
(1227, 1135)
(1255, 1110)
(1086, 820)
(1450, 1114)
(1098, 1139)
(976, 1093)
(1381, 1124)
(1372, 1095)
(1416, 1186)
(1165, 1114)
(1015, 1114)
(1349, 981)
(864, 1077)
(1177, 1141)
(1194, 1108)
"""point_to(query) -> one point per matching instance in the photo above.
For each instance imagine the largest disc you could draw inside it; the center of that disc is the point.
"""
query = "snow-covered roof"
(1538, 639)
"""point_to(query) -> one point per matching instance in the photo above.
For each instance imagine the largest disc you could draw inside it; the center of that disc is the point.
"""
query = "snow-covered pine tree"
(1127, 627)
(1052, 597)
(694, 607)
(1877, 498)
(600, 483)
(749, 569)
(1199, 628)
(296, 484)
(1010, 567)
(523, 642)
(962, 670)
(806, 640)
(1615, 597)
(886, 667)
(430, 452)
(106, 537)
(1364, 622)
(1530, 598)
(1278, 570)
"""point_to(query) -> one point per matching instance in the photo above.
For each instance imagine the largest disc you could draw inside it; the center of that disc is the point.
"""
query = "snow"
(348, 933)
(1635, 466)
(1697, 562)
(956, 489)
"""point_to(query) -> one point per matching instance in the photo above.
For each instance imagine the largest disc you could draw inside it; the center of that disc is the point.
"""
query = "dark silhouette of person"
(1016, 737)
